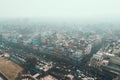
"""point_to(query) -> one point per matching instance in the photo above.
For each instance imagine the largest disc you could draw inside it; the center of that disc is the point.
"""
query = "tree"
(31, 62)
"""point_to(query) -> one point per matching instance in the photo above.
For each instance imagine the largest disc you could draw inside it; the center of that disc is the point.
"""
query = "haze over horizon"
(60, 9)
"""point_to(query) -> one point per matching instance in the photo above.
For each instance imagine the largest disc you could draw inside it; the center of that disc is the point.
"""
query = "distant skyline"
(60, 9)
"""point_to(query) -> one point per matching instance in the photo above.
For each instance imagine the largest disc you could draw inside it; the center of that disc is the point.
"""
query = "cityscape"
(44, 52)
(59, 40)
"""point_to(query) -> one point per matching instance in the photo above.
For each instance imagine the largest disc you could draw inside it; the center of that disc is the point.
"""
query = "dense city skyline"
(59, 40)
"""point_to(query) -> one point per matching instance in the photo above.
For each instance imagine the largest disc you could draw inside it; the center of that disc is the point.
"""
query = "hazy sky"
(60, 8)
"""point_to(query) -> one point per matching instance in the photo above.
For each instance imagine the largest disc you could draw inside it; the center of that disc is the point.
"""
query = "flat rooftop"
(9, 68)
(48, 77)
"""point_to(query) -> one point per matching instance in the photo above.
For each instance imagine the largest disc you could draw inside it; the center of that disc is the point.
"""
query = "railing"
(3, 76)
(29, 76)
